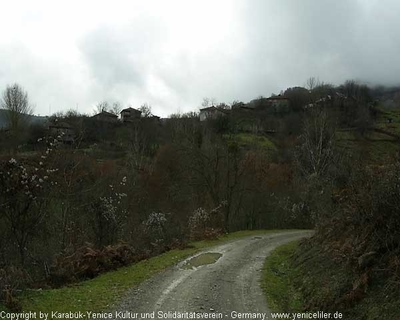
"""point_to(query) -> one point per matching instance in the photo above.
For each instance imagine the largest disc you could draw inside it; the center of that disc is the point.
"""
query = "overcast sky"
(172, 54)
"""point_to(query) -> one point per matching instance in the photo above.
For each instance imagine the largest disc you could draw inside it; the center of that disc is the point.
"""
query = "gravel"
(227, 289)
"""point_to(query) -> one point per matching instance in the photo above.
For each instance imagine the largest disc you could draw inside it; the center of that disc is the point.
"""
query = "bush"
(88, 262)
(205, 224)
(12, 279)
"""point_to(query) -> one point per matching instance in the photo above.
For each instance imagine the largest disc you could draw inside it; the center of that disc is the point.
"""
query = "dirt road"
(228, 288)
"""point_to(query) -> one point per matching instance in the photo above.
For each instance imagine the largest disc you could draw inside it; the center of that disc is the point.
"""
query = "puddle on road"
(202, 259)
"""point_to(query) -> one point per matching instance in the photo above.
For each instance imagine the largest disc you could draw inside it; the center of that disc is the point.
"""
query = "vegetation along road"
(221, 280)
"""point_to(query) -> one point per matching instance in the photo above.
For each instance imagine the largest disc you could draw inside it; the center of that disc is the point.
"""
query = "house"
(106, 117)
(279, 103)
(212, 113)
(130, 114)
(63, 131)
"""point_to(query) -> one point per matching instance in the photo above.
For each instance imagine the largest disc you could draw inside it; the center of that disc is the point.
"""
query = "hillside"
(40, 120)
(351, 264)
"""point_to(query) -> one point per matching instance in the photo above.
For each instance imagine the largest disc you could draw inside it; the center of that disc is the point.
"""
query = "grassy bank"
(305, 278)
(327, 284)
(103, 291)
(278, 279)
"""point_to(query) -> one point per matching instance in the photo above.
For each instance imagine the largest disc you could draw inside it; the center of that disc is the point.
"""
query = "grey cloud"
(112, 58)
(333, 40)
(269, 46)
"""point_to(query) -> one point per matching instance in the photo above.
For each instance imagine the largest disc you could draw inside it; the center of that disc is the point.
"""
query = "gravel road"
(226, 289)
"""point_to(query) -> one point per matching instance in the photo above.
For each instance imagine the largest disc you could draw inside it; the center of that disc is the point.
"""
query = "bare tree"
(146, 110)
(102, 106)
(312, 83)
(359, 92)
(116, 108)
(15, 101)
(208, 102)
(317, 151)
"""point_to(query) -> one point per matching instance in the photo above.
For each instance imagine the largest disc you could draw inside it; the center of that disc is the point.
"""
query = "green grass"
(394, 114)
(248, 140)
(278, 278)
(376, 147)
(101, 293)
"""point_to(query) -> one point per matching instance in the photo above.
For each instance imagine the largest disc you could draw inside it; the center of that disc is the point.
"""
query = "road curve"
(231, 284)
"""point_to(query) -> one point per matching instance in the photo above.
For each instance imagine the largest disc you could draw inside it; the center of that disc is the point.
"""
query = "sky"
(172, 54)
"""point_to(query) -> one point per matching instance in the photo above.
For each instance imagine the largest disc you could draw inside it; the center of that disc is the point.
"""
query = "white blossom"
(155, 221)
(198, 219)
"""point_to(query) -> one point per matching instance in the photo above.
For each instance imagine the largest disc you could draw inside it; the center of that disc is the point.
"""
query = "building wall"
(210, 114)
(129, 115)
(203, 115)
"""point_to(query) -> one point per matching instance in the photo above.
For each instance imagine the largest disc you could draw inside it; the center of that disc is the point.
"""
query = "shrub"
(87, 262)
(12, 279)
